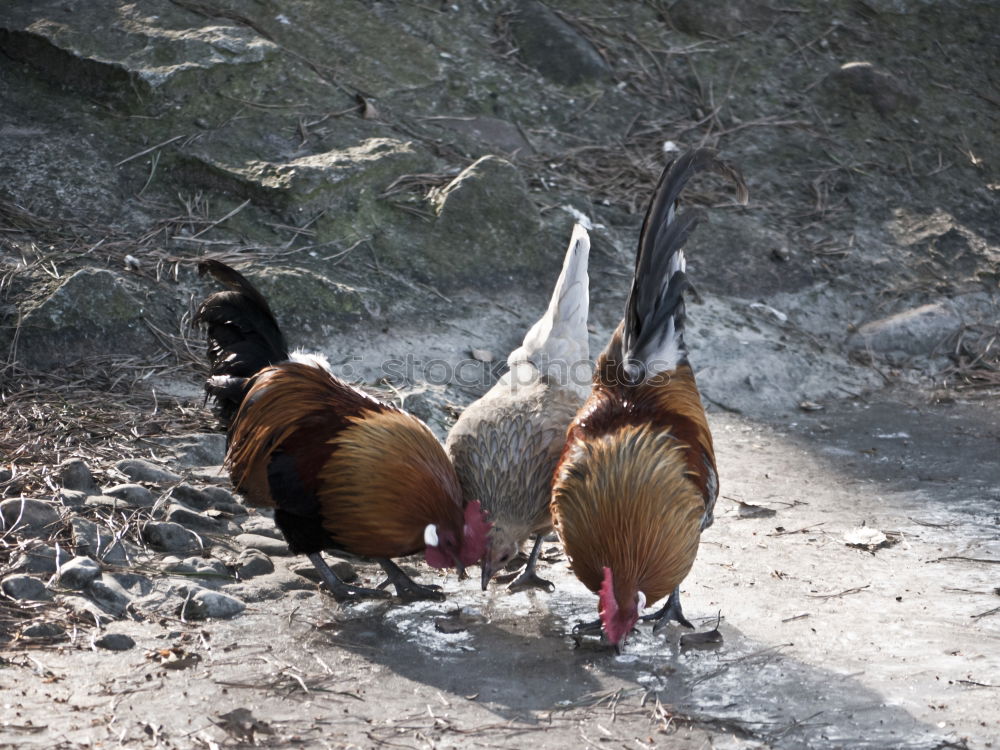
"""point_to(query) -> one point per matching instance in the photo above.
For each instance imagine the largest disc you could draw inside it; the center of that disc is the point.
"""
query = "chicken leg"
(529, 578)
(341, 591)
(406, 588)
(670, 611)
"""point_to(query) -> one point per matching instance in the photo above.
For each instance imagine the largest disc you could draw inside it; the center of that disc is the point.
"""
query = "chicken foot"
(529, 578)
(406, 588)
(341, 591)
(670, 611)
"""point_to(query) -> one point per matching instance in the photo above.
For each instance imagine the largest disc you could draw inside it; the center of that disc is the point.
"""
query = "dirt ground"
(825, 645)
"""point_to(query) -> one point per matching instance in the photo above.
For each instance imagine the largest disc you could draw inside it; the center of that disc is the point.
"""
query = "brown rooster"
(342, 470)
(637, 483)
(505, 445)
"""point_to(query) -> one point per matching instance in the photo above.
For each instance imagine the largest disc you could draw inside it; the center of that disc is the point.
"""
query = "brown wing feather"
(296, 408)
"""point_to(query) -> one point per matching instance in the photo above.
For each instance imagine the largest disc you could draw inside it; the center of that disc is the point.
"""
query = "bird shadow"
(525, 668)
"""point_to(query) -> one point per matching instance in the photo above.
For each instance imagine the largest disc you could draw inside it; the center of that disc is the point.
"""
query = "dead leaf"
(707, 639)
(241, 724)
(749, 510)
(368, 109)
(865, 537)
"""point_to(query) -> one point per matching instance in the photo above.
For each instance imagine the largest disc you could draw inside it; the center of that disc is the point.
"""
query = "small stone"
(79, 572)
(85, 609)
(97, 542)
(134, 495)
(256, 523)
(554, 47)
(212, 604)
(201, 449)
(925, 330)
(200, 566)
(884, 91)
(44, 630)
(76, 475)
(198, 521)
(109, 595)
(114, 642)
(38, 559)
(24, 587)
(781, 254)
(171, 537)
(267, 545)
(252, 563)
(105, 501)
(141, 470)
(71, 498)
(341, 568)
(28, 518)
(193, 497)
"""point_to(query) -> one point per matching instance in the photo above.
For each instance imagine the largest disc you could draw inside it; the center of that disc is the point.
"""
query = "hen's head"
(501, 547)
(449, 547)
(617, 620)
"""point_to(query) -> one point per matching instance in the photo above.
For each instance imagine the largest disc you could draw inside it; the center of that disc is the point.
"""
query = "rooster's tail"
(559, 338)
(653, 329)
(243, 337)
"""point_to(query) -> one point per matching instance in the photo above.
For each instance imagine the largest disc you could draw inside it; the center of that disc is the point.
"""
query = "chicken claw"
(406, 588)
(341, 591)
(529, 578)
(670, 611)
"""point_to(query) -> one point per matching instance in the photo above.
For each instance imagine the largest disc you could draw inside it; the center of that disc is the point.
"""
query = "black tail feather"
(657, 294)
(243, 337)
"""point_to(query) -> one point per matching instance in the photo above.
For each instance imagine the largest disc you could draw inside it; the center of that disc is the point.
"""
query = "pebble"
(24, 587)
(109, 595)
(197, 449)
(262, 525)
(28, 518)
(198, 521)
(96, 541)
(197, 566)
(114, 642)
(341, 568)
(79, 572)
(85, 609)
(76, 475)
(39, 559)
(212, 604)
(71, 498)
(134, 495)
(267, 545)
(43, 630)
(105, 501)
(252, 563)
(141, 470)
(171, 537)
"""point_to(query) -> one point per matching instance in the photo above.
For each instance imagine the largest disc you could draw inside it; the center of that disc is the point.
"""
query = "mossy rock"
(91, 312)
(308, 304)
(484, 230)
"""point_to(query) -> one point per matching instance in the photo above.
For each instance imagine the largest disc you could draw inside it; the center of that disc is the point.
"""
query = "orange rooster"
(637, 483)
(342, 470)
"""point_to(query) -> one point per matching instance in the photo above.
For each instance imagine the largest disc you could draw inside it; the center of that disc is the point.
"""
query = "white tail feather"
(560, 335)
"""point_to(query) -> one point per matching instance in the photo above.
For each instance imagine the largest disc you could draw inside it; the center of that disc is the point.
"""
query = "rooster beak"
(487, 572)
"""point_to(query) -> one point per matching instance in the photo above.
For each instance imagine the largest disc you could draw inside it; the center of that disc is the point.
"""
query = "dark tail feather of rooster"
(243, 337)
(653, 331)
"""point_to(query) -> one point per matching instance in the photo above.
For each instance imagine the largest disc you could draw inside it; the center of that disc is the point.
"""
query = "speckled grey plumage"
(505, 445)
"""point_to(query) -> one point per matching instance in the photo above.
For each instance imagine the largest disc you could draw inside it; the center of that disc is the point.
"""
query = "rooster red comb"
(475, 534)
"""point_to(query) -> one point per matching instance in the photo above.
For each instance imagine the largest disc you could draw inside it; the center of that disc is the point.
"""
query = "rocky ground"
(400, 178)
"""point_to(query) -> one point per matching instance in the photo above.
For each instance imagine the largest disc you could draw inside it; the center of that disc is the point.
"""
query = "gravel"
(266, 544)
